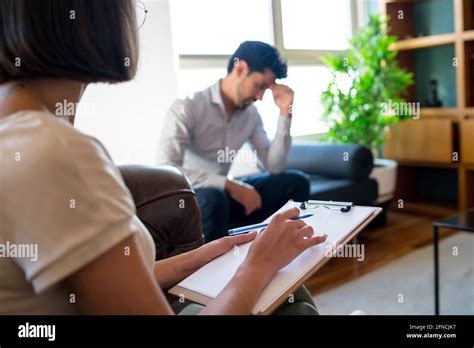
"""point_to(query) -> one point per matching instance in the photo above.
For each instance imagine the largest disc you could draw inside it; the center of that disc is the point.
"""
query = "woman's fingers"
(310, 242)
(305, 232)
(241, 238)
(296, 224)
(287, 214)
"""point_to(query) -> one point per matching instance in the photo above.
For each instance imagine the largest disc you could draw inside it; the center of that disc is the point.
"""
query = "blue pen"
(246, 229)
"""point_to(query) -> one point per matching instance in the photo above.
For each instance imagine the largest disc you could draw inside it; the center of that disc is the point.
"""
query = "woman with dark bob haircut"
(62, 196)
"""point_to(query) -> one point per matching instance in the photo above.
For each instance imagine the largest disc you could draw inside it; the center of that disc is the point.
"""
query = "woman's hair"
(84, 40)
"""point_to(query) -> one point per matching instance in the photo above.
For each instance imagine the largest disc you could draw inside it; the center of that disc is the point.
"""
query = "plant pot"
(385, 172)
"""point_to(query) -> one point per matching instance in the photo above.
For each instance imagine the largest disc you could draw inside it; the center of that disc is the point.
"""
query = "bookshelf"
(435, 152)
(422, 42)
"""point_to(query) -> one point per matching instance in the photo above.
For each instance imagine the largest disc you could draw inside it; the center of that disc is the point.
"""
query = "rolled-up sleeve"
(272, 154)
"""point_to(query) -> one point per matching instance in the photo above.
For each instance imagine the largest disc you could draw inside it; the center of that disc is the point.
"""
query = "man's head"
(253, 68)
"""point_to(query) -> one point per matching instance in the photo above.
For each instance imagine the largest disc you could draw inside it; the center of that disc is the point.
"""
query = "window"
(219, 26)
(207, 32)
(316, 25)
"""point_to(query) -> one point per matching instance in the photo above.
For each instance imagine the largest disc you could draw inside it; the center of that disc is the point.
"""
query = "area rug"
(406, 286)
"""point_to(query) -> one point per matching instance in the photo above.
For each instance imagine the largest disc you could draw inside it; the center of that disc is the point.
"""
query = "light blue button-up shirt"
(197, 138)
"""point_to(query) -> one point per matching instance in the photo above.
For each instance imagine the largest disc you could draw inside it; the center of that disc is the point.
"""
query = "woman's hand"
(172, 270)
(219, 247)
(281, 242)
(275, 247)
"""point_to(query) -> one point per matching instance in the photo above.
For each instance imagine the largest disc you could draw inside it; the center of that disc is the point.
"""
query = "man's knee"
(214, 205)
(296, 176)
(212, 200)
(298, 183)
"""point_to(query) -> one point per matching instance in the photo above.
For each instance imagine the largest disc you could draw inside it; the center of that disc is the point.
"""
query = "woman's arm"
(115, 283)
(242, 292)
(171, 271)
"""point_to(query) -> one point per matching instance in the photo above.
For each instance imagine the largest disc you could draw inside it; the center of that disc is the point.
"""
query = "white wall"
(127, 117)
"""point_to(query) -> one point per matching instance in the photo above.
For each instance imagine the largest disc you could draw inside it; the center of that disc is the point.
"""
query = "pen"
(246, 229)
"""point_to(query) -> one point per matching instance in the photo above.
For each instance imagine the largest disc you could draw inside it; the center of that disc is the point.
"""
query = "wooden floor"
(403, 233)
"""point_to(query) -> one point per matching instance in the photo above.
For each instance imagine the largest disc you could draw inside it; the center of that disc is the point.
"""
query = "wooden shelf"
(424, 146)
(424, 42)
(468, 167)
(468, 35)
(402, 1)
(402, 162)
(440, 112)
(467, 149)
(412, 141)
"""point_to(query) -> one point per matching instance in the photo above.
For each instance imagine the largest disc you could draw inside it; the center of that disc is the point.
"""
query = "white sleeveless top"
(63, 203)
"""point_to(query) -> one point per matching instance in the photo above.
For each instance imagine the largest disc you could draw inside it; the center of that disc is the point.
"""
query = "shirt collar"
(216, 96)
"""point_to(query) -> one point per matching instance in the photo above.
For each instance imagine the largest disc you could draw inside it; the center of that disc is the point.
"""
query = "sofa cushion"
(361, 192)
(345, 161)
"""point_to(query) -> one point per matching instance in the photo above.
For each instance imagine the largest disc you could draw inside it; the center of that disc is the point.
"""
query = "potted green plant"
(358, 104)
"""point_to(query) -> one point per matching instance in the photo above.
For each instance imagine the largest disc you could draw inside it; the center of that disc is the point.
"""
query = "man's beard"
(243, 103)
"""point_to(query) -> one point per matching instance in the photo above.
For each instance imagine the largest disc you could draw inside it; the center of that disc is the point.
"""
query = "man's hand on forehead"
(280, 88)
(283, 97)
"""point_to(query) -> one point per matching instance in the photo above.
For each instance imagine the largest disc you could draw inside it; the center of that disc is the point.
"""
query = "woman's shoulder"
(41, 125)
(41, 153)
(40, 135)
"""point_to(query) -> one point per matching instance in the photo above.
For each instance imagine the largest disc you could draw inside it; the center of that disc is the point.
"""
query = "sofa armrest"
(167, 206)
(348, 161)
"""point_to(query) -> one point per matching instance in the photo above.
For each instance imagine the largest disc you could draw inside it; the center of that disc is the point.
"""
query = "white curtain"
(127, 117)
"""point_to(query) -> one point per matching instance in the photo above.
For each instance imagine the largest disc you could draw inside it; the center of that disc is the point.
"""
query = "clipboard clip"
(343, 207)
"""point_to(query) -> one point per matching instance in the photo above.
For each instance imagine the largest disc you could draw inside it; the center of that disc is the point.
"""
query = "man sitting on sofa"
(200, 133)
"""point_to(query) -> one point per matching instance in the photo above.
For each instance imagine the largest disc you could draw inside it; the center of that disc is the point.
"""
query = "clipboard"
(205, 284)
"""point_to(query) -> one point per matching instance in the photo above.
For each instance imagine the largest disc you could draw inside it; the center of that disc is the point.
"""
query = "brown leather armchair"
(167, 206)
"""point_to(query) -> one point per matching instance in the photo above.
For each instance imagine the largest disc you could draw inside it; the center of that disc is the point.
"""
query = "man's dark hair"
(259, 56)
(84, 40)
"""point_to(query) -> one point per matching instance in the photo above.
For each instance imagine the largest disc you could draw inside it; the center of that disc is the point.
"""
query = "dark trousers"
(302, 304)
(220, 212)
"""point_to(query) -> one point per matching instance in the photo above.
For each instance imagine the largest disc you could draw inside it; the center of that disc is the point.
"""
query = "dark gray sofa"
(338, 172)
